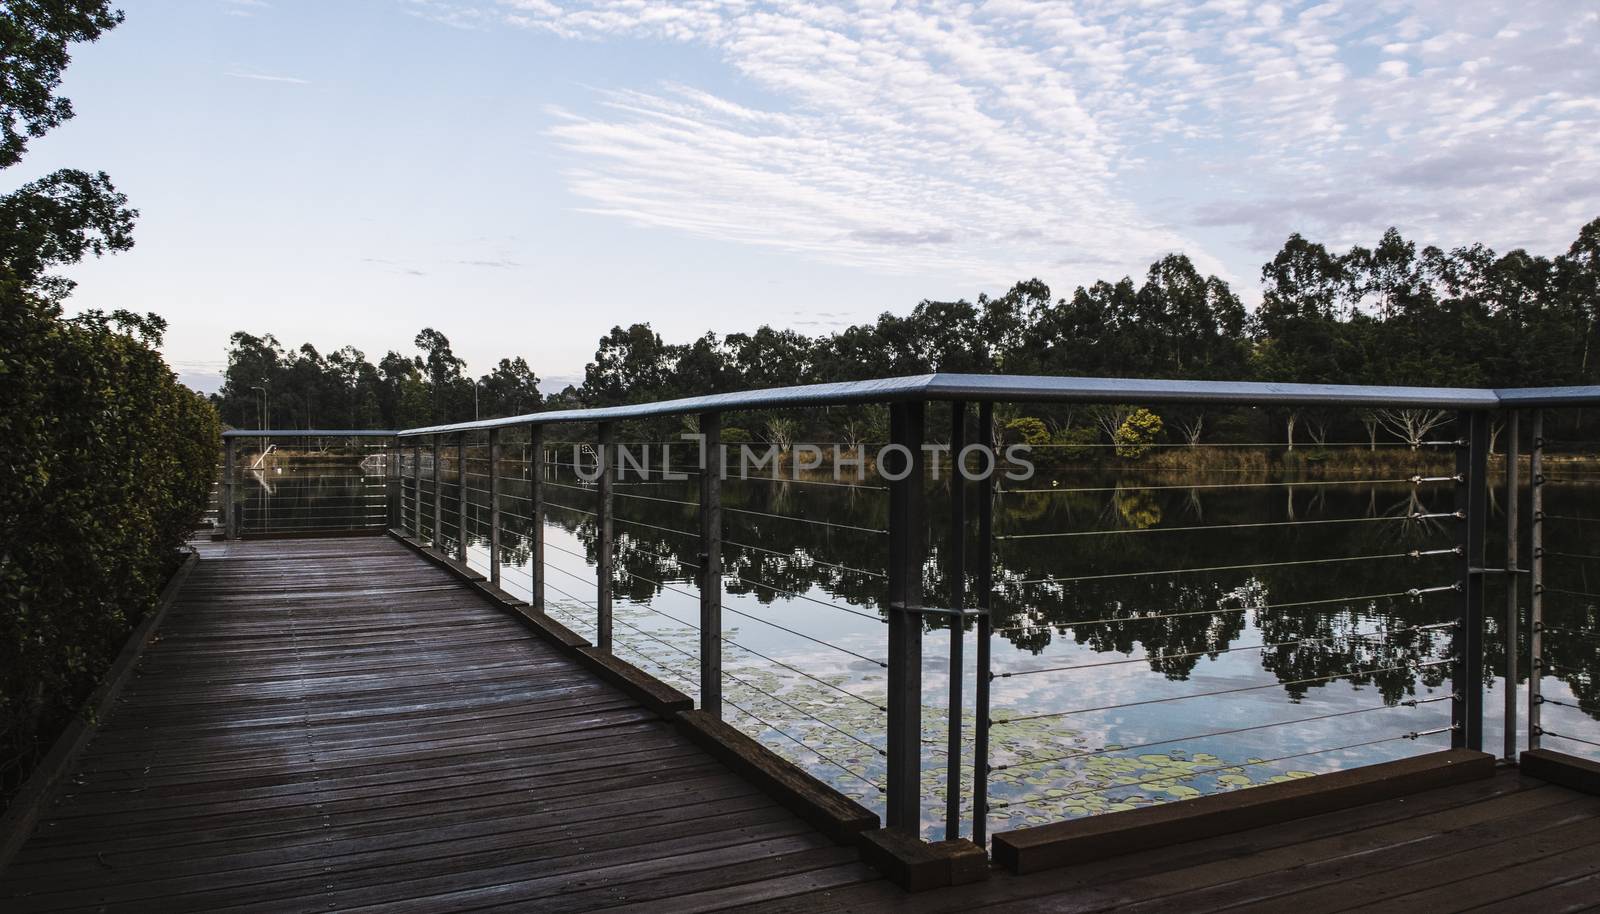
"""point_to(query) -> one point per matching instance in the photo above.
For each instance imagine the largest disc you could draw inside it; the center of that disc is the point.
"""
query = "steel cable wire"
(834, 762)
(1413, 735)
(1414, 554)
(1215, 527)
(1412, 703)
(1320, 639)
(1270, 685)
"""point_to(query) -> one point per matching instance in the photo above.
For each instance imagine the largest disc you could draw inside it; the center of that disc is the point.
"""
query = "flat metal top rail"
(310, 433)
(1027, 388)
(1011, 388)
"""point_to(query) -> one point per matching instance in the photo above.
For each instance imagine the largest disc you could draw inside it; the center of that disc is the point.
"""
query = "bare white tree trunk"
(1412, 425)
(780, 432)
(1110, 418)
(1192, 428)
(1317, 428)
(1370, 420)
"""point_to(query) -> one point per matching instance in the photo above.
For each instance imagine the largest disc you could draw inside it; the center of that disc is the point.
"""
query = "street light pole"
(262, 416)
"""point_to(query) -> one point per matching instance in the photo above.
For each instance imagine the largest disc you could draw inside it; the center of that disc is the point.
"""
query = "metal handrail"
(309, 433)
(427, 496)
(1031, 388)
(1010, 388)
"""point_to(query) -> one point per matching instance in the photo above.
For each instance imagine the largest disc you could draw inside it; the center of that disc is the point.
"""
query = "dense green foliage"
(266, 386)
(109, 463)
(108, 459)
(34, 35)
(1391, 314)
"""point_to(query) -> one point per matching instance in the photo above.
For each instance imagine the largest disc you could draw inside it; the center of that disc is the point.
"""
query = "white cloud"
(244, 7)
(1014, 137)
(268, 78)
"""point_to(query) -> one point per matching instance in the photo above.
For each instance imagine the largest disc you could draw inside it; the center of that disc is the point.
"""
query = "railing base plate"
(917, 866)
(1569, 771)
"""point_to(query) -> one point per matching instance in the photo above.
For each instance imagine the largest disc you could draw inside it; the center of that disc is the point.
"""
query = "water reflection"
(310, 489)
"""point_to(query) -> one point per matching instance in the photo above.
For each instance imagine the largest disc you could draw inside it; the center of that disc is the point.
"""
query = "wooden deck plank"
(1110, 884)
(1461, 881)
(338, 722)
(1578, 894)
(1480, 831)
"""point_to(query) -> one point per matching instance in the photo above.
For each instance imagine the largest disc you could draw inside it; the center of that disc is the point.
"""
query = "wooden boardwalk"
(1509, 844)
(337, 724)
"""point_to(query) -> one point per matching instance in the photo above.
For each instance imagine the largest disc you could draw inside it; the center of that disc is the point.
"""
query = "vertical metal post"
(1513, 585)
(399, 485)
(982, 677)
(1536, 580)
(907, 548)
(394, 518)
(230, 456)
(602, 603)
(711, 468)
(536, 516)
(416, 488)
(957, 572)
(438, 497)
(461, 498)
(494, 507)
(1472, 498)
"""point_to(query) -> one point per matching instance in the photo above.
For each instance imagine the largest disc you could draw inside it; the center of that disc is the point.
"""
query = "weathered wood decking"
(332, 724)
(1508, 844)
(337, 724)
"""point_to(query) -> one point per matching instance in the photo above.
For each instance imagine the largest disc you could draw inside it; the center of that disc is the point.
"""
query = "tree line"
(268, 386)
(1390, 314)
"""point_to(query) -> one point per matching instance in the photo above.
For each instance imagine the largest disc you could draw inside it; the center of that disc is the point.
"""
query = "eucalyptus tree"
(59, 218)
(511, 389)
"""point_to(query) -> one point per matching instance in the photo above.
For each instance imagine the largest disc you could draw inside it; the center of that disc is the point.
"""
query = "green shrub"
(1137, 432)
(1076, 443)
(1027, 430)
(107, 468)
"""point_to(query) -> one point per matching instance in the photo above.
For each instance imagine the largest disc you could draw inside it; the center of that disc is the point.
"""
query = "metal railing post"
(394, 519)
(1513, 586)
(438, 497)
(711, 469)
(957, 573)
(1536, 580)
(536, 516)
(461, 497)
(230, 457)
(982, 677)
(1472, 498)
(494, 506)
(602, 603)
(416, 492)
(907, 548)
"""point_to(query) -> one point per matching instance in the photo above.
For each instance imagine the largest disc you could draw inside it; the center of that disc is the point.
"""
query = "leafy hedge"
(106, 464)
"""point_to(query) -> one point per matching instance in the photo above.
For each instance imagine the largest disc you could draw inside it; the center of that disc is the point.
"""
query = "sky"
(522, 175)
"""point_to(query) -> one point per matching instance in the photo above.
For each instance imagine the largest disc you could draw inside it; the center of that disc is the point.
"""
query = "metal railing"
(1564, 611)
(696, 569)
(290, 483)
